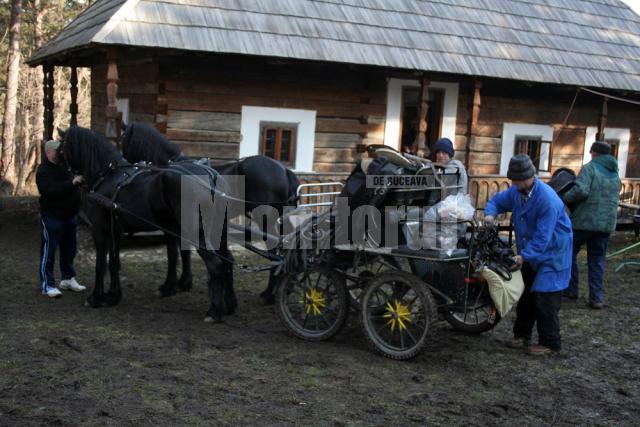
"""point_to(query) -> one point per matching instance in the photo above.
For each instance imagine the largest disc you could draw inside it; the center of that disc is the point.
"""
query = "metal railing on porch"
(482, 187)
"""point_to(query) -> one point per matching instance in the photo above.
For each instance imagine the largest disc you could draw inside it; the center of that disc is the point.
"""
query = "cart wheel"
(397, 313)
(364, 273)
(313, 305)
(478, 315)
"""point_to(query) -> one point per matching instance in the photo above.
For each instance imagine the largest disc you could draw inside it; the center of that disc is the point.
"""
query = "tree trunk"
(33, 149)
(7, 166)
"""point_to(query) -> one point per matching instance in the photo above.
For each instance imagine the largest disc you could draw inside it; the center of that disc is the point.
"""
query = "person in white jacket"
(444, 155)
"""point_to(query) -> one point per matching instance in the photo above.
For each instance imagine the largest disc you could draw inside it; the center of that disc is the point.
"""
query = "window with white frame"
(533, 140)
(393, 123)
(619, 140)
(286, 134)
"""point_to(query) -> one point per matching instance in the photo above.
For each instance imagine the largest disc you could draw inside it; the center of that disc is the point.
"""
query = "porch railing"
(482, 187)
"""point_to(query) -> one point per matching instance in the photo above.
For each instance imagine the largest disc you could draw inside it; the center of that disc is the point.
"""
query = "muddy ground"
(153, 361)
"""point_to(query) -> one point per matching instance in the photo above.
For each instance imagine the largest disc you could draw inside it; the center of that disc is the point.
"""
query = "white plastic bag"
(456, 207)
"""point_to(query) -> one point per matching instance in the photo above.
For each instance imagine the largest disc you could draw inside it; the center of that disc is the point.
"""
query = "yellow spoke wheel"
(313, 305)
(397, 314)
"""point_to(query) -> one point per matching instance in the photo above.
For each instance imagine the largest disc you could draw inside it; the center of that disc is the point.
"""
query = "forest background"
(25, 25)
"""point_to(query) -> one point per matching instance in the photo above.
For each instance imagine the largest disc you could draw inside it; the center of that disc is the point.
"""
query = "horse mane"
(142, 142)
(90, 153)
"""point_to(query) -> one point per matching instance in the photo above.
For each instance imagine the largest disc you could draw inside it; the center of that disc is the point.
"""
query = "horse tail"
(294, 182)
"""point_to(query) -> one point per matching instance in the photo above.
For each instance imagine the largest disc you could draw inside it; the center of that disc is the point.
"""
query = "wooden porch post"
(603, 120)
(112, 128)
(73, 107)
(473, 121)
(421, 135)
(47, 101)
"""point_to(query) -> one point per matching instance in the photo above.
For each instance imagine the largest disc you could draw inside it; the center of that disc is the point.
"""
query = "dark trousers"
(597, 242)
(539, 308)
(57, 232)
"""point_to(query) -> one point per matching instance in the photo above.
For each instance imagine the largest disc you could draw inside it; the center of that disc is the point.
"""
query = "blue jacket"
(543, 233)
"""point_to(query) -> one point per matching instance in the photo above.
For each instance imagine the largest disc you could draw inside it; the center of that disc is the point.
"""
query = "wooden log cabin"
(311, 82)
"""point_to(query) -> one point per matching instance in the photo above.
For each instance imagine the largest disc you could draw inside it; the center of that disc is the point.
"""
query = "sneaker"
(52, 292)
(596, 305)
(517, 342)
(538, 349)
(72, 285)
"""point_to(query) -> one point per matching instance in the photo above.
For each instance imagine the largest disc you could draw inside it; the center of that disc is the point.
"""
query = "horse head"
(88, 153)
(142, 142)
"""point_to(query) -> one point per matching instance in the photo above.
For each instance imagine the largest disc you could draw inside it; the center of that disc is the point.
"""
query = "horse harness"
(111, 202)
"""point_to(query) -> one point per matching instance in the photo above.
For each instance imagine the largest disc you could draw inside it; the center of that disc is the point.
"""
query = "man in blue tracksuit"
(59, 206)
(544, 241)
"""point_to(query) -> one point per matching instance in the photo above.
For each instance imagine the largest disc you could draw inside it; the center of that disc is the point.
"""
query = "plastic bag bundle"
(454, 208)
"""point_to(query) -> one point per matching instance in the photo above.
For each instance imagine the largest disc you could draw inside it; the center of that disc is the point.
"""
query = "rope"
(211, 169)
(623, 250)
(116, 207)
(617, 98)
(566, 118)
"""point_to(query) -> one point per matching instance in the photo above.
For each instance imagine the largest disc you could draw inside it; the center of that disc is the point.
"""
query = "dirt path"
(154, 361)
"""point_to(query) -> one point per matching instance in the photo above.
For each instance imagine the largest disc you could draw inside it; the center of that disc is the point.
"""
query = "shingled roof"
(575, 42)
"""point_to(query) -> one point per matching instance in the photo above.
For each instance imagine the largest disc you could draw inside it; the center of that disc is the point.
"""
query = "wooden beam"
(423, 108)
(161, 109)
(73, 107)
(472, 128)
(48, 101)
(112, 127)
(603, 120)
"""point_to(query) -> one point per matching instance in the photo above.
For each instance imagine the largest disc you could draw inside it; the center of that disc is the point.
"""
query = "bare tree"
(7, 166)
(33, 134)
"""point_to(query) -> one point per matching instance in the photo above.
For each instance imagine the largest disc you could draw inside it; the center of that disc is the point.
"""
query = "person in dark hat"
(59, 206)
(544, 240)
(444, 155)
(594, 197)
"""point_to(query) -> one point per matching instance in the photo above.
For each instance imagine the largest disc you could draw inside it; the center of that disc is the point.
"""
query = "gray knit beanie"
(520, 168)
(600, 147)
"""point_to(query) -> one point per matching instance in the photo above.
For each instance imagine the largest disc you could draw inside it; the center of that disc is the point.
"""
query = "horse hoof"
(185, 286)
(93, 302)
(166, 291)
(112, 300)
(266, 300)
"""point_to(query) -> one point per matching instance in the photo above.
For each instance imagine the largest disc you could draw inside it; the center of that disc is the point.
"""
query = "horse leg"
(267, 297)
(100, 241)
(168, 288)
(114, 295)
(186, 278)
(215, 270)
(230, 300)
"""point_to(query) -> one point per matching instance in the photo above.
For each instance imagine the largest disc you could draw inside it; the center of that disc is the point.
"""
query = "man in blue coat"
(544, 240)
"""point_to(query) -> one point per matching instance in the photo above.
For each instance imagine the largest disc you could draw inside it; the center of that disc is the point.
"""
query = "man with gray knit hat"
(596, 193)
(59, 206)
(544, 238)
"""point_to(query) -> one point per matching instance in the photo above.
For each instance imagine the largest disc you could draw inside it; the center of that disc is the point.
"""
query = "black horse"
(266, 182)
(144, 199)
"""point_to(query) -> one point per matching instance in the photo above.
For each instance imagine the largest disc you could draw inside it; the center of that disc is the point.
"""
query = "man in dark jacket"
(59, 206)
(596, 195)
(543, 238)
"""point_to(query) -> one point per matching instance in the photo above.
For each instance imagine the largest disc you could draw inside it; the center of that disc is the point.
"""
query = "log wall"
(198, 105)
(519, 103)
(205, 99)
